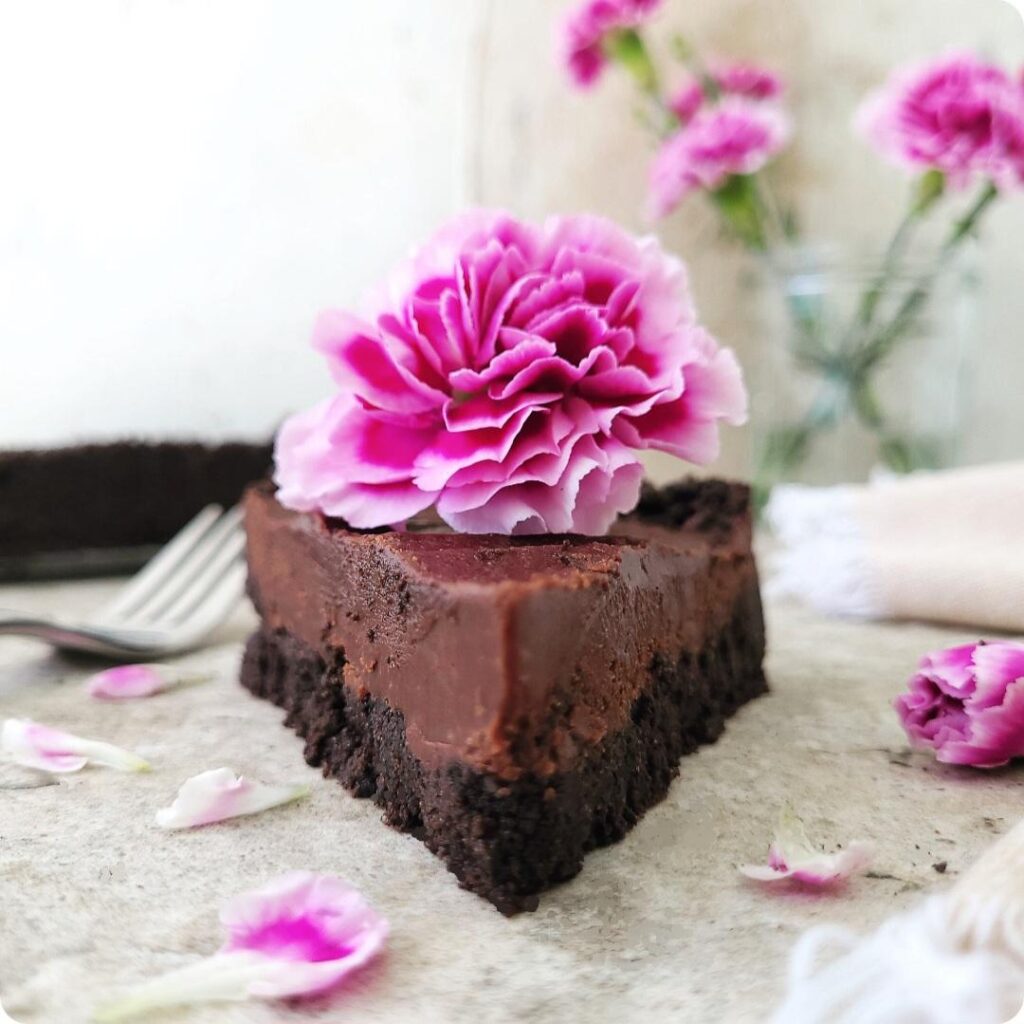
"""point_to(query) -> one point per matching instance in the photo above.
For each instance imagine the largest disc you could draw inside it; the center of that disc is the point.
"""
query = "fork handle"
(20, 623)
(120, 645)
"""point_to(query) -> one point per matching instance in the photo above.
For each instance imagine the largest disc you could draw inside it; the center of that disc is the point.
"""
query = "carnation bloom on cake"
(507, 377)
(793, 856)
(967, 704)
(737, 136)
(958, 115)
(300, 935)
(586, 30)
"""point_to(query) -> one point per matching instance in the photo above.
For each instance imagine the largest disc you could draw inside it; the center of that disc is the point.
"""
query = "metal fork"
(189, 587)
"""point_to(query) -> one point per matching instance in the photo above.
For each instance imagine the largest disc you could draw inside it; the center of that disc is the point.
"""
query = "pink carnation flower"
(685, 100)
(506, 378)
(967, 704)
(587, 27)
(737, 136)
(300, 935)
(748, 80)
(957, 115)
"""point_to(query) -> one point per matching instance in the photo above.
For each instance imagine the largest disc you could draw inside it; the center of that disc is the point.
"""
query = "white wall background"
(184, 184)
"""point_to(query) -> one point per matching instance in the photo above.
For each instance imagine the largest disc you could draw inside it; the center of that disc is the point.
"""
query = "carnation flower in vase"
(592, 29)
(958, 115)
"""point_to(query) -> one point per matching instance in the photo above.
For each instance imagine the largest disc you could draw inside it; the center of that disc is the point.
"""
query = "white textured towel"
(945, 547)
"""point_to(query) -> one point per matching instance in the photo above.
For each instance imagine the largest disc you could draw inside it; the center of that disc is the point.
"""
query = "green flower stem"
(930, 189)
(781, 221)
(627, 47)
(886, 339)
(740, 206)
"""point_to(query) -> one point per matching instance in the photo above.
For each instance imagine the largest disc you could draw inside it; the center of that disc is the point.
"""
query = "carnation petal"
(128, 682)
(367, 506)
(219, 794)
(34, 745)
(300, 935)
(792, 856)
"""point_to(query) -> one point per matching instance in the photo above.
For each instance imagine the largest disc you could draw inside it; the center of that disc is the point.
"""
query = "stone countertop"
(657, 928)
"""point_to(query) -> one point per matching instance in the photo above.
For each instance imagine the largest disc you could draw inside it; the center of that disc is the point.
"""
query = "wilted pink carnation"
(737, 136)
(586, 28)
(748, 80)
(967, 704)
(506, 378)
(958, 115)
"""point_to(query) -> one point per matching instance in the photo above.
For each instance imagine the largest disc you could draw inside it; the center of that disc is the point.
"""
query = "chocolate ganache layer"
(508, 653)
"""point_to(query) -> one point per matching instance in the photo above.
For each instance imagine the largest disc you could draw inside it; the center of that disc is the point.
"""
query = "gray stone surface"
(657, 928)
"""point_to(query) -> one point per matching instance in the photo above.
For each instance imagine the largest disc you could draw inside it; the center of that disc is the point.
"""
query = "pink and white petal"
(543, 296)
(307, 463)
(996, 666)
(375, 450)
(715, 385)
(994, 735)
(606, 493)
(482, 412)
(34, 745)
(457, 450)
(364, 366)
(792, 855)
(368, 506)
(298, 936)
(128, 682)
(951, 669)
(669, 427)
(549, 379)
(332, 330)
(218, 795)
(520, 351)
(546, 496)
(828, 869)
(508, 511)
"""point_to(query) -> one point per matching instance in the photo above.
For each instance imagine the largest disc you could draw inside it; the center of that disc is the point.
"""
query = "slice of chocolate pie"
(512, 701)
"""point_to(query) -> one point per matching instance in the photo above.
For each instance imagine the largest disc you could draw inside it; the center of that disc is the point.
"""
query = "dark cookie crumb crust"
(508, 841)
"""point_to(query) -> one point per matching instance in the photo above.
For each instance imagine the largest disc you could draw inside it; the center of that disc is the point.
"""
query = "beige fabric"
(948, 547)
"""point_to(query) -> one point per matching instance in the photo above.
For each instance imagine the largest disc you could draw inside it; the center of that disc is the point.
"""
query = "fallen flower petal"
(299, 935)
(38, 746)
(967, 704)
(126, 682)
(220, 794)
(792, 855)
(957, 956)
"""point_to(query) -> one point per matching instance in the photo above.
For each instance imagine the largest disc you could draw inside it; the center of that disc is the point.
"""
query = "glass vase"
(864, 368)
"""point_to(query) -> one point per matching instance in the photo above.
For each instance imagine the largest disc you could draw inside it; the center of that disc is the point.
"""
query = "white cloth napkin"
(944, 547)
